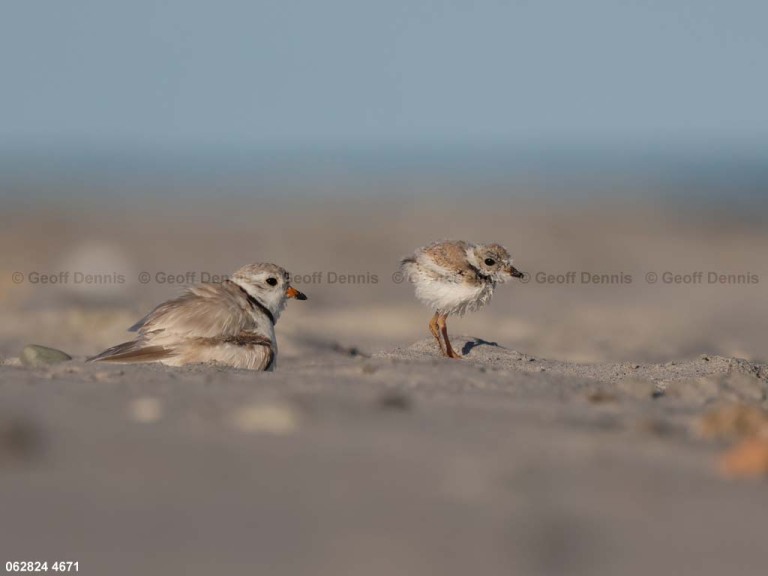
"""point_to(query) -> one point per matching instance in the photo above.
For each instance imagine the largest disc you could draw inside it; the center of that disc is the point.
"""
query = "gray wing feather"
(133, 352)
(203, 311)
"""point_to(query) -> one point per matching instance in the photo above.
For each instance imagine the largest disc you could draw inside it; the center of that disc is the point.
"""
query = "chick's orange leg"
(449, 351)
(433, 327)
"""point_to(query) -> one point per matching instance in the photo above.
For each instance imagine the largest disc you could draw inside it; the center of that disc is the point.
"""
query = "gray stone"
(34, 356)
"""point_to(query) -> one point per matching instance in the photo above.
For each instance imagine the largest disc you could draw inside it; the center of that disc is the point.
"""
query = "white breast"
(446, 296)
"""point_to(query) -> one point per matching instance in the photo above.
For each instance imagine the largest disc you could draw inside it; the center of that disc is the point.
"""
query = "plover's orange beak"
(293, 293)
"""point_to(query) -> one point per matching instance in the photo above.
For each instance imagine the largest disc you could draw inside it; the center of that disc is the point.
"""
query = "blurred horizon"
(704, 172)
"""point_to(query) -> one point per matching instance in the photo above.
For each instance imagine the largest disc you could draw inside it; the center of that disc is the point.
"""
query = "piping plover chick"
(230, 323)
(453, 277)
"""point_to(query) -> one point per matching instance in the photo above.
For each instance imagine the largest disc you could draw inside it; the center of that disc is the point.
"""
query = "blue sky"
(182, 73)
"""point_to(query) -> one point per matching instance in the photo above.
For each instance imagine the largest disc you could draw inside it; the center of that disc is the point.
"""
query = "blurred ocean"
(733, 174)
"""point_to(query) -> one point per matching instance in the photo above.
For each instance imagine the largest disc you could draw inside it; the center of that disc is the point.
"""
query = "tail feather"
(133, 351)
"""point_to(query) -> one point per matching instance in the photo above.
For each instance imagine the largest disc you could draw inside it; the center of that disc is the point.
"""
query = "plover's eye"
(272, 281)
(490, 261)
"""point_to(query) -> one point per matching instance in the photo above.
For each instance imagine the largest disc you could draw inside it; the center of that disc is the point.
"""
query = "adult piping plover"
(231, 323)
(453, 277)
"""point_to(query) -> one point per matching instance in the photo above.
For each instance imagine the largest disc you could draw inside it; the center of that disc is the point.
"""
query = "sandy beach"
(567, 441)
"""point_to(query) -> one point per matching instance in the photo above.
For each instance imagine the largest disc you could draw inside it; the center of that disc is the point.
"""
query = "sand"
(568, 441)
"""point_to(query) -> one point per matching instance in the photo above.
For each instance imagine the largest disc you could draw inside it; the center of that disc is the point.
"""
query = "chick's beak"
(515, 273)
(293, 293)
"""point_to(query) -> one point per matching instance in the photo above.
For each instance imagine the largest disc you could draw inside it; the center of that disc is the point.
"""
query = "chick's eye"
(490, 261)
(272, 281)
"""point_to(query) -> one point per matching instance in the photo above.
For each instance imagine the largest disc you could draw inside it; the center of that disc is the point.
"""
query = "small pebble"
(36, 356)
(145, 410)
(733, 421)
(747, 459)
(103, 376)
(601, 397)
(654, 426)
(394, 400)
(277, 419)
(21, 441)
